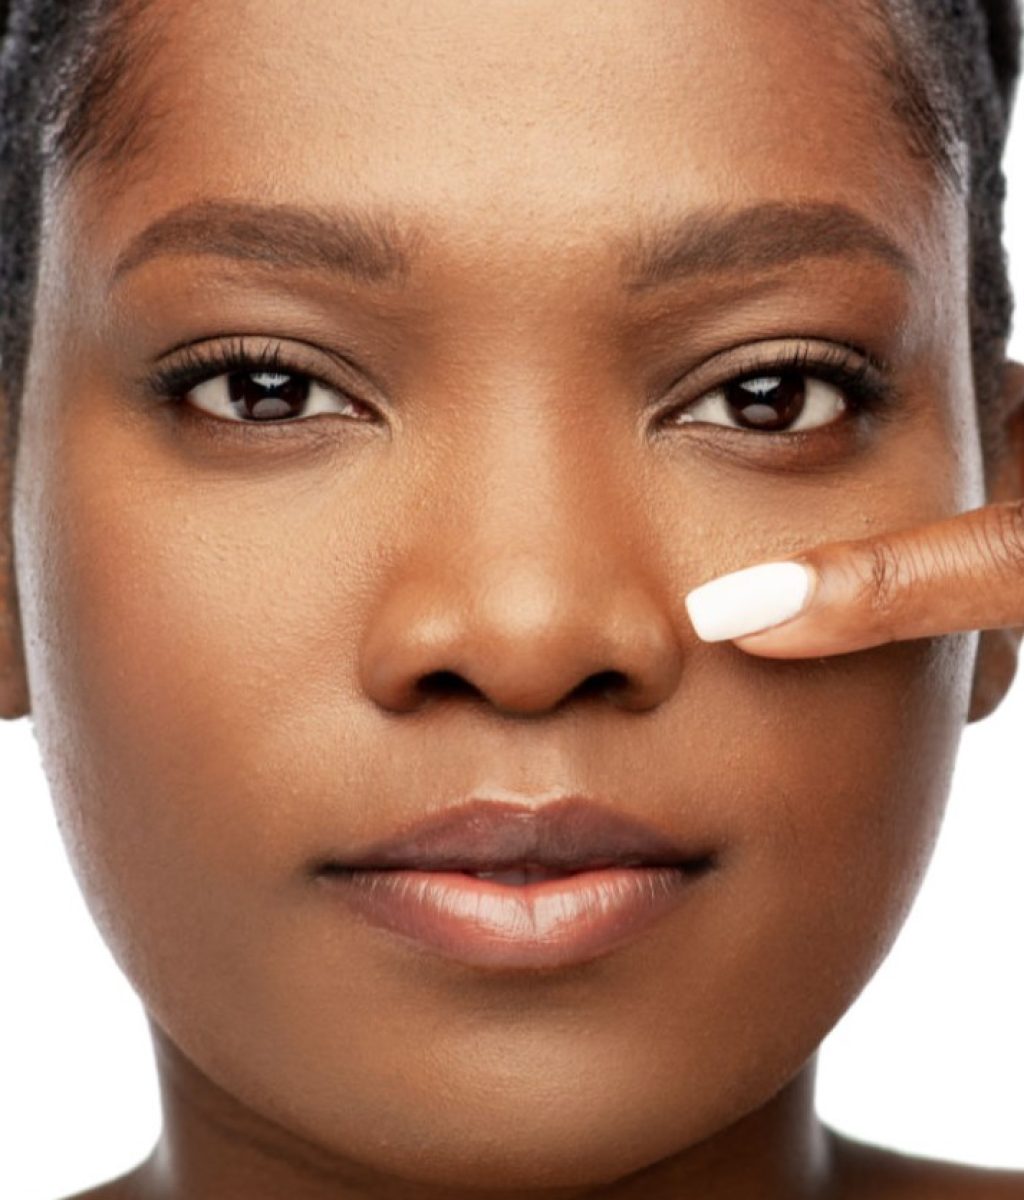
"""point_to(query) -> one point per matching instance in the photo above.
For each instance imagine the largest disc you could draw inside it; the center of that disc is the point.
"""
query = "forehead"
(483, 122)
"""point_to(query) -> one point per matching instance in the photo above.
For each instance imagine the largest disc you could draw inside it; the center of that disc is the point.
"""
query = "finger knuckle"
(883, 583)
(1007, 544)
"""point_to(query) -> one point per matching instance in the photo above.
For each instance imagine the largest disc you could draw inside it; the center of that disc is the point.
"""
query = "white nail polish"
(748, 601)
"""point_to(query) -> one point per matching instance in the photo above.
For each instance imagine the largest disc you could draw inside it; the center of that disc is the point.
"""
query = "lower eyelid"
(249, 433)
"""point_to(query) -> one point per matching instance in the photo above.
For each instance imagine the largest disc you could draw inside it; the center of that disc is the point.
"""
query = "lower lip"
(550, 923)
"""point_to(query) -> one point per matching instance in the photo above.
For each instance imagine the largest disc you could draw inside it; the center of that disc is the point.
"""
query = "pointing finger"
(961, 573)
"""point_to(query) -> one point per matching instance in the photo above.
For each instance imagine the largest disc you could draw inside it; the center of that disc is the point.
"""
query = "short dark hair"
(67, 69)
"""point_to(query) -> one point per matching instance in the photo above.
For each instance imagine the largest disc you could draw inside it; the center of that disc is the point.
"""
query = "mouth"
(497, 885)
(518, 876)
(523, 874)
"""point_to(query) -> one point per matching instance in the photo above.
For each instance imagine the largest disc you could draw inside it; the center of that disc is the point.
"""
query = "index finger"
(961, 573)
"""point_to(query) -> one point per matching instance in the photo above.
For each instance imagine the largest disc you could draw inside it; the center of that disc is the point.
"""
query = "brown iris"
(769, 402)
(268, 395)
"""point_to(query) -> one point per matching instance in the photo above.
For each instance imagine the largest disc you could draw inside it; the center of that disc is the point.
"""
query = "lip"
(480, 834)
(627, 875)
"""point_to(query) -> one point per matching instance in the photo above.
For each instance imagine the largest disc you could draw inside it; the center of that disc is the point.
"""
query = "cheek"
(834, 772)
(165, 653)
(839, 785)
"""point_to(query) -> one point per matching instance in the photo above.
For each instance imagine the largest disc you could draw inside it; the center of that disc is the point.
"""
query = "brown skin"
(959, 573)
(222, 630)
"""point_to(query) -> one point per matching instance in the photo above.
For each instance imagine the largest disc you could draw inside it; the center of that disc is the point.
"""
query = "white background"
(929, 1060)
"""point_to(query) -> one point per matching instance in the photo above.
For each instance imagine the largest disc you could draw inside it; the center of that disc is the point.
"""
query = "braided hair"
(67, 69)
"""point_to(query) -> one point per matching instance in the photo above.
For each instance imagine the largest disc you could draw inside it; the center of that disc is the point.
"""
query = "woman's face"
(252, 646)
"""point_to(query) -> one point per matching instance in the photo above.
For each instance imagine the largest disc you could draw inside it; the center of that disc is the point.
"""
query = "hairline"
(112, 114)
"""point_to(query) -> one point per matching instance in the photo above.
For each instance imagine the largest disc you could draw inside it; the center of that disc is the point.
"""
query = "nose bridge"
(523, 577)
(537, 478)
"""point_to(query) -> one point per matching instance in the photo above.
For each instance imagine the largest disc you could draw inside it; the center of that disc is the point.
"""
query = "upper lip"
(570, 833)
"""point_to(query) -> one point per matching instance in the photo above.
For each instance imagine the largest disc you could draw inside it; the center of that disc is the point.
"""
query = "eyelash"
(864, 383)
(201, 364)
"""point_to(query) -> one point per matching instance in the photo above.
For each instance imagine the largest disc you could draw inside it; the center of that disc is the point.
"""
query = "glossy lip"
(627, 875)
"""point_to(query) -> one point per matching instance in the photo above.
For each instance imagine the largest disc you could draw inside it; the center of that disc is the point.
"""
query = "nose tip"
(526, 650)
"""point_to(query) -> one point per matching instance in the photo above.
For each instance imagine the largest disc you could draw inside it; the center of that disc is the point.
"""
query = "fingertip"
(750, 601)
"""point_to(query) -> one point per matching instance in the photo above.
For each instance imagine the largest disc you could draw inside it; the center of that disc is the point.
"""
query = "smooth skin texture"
(233, 639)
(965, 572)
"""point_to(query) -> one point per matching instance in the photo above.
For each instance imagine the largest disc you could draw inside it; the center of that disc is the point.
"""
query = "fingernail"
(748, 601)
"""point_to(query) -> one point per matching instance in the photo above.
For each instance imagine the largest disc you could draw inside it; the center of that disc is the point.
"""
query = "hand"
(962, 573)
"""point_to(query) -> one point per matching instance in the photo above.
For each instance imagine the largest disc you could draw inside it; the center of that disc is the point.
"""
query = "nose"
(525, 636)
(524, 610)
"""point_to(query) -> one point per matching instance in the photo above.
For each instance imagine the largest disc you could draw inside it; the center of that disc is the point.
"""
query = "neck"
(213, 1146)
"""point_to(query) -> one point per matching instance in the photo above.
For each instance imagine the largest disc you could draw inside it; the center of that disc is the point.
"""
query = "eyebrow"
(764, 235)
(374, 247)
(368, 247)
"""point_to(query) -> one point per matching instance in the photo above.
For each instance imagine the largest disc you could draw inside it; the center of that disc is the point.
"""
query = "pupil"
(768, 401)
(268, 395)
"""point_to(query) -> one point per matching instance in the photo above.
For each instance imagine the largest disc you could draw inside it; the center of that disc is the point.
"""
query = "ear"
(996, 663)
(14, 697)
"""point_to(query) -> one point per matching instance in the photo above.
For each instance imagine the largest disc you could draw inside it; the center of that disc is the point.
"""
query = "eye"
(260, 395)
(238, 384)
(786, 401)
(789, 388)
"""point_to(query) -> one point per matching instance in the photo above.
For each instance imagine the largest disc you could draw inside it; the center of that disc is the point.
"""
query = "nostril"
(451, 683)
(600, 683)
(445, 683)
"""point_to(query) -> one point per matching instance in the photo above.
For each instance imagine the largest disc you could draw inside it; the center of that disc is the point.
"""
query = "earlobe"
(1013, 394)
(14, 695)
(1006, 476)
(996, 664)
(994, 670)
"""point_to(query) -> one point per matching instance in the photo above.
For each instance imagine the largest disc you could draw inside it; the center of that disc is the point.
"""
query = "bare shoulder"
(872, 1173)
(125, 1187)
(106, 1191)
